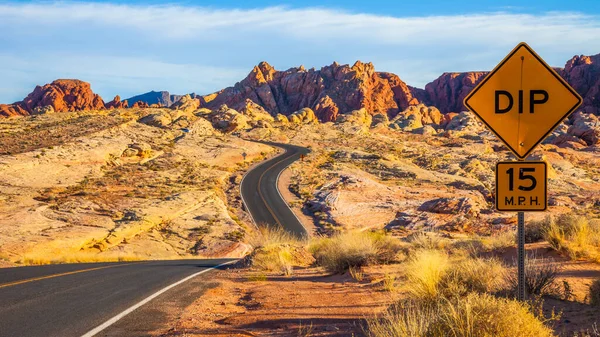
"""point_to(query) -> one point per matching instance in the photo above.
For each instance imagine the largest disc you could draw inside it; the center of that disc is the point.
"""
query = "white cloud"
(130, 47)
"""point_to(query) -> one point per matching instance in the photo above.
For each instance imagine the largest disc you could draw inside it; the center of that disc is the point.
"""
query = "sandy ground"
(308, 301)
(122, 191)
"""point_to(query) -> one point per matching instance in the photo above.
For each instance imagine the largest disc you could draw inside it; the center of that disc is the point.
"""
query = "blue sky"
(131, 47)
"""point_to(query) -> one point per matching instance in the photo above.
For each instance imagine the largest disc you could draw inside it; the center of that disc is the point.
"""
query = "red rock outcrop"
(448, 91)
(332, 90)
(61, 95)
(11, 110)
(116, 103)
(583, 74)
(140, 104)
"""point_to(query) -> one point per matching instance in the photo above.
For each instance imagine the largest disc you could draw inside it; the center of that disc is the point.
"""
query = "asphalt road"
(261, 196)
(72, 299)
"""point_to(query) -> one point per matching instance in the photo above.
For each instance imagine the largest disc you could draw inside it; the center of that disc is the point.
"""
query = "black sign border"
(560, 79)
(545, 186)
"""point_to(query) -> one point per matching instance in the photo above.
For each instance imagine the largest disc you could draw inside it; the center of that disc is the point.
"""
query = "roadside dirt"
(308, 303)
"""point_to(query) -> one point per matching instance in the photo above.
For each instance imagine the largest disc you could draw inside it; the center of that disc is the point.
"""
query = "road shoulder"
(250, 303)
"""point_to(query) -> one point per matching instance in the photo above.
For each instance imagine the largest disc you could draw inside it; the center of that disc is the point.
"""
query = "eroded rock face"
(303, 116)
(583, 131)
(61, 95)
(583, 74)
(448, 91)
(417, 116)
(116, 103)
(140, 104)
(330, 91)
(186, 104)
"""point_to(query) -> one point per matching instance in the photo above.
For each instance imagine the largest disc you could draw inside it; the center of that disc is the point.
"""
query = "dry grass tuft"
(577, 236)
(353, 249)
(425, 271)
(275, 250)
(540, 276)
(473, 315)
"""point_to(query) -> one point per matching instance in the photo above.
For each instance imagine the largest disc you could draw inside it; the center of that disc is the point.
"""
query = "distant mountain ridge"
(330, 91)
(163, 98)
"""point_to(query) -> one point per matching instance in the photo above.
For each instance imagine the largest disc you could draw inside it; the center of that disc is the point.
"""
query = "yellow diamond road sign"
(522, 100)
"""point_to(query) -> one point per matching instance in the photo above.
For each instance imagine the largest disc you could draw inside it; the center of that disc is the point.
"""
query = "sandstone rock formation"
(187, 104)
(303, 116)
(583, 131)
(332, 90)
(416, 116)
(116, 103)
(448, 91)
(228, 120)
(140, 104)
(61, 95)
(583, 74)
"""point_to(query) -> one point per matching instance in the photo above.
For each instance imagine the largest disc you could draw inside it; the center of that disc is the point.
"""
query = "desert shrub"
(535, 230)
(474, 275)
(473, 315)
(275, 250)
(353, 249)
(594, 293)
(270, 235)
(273, 259)
(425, 271)
(482, 244)
(540, 276)
(427, 240)
(578, 236)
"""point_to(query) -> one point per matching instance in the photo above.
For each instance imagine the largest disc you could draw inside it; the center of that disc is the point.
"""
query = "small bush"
(425, 271)
(425, 240)
(272, 258)
(473, 315)
(540, 276)
(353, 249)
(577, 236)
(594, 293)
(475, 275)
(275, 250)
(535, 230)
(269, 235)
(389, 282)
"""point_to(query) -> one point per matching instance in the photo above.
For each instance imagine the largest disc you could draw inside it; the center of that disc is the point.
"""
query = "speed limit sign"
(521, 186)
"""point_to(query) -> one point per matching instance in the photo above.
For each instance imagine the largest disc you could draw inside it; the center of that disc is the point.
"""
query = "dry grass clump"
(270, 235)
(275, 250)
(425, 271)
(354, 249)
(473, 315)
(431, 274)
(540, 276)
(481, 244)
(475, 275)
(427, 240)
(577, 236)
(594, 293)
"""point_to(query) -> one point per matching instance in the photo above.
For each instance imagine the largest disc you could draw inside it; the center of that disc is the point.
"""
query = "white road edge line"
(146, 300)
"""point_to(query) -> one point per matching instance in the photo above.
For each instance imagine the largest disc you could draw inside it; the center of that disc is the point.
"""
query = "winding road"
(261, 195)
(128, 299)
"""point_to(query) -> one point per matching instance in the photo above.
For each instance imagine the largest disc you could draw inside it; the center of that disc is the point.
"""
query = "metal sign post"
(521, 256)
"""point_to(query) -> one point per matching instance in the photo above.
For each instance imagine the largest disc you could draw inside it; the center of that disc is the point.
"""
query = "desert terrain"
(397, 195)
